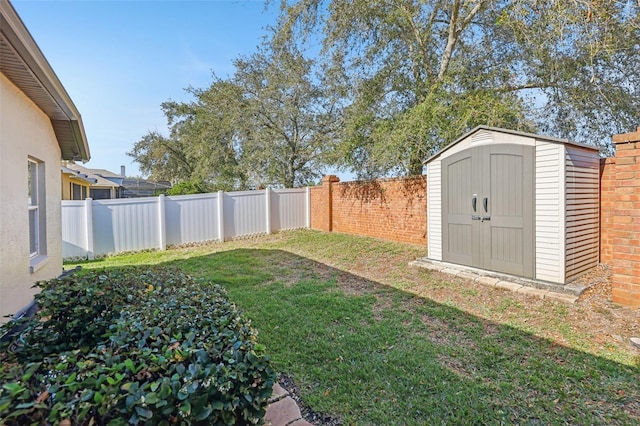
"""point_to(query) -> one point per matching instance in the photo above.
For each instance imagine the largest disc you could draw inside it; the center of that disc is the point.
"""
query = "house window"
(34, 214)
(36, 209)
(76, 192)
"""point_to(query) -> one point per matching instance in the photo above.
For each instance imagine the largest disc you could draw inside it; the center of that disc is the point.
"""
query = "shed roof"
(510, 132)
(24, 64)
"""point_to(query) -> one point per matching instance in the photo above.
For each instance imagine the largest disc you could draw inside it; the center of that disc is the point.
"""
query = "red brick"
(393, 209)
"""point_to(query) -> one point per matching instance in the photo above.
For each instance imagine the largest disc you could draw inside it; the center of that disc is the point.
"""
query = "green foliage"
(268, 124)
(162, 158)
(415, 75)
(189, 187)
(373, 341)
(135, 346)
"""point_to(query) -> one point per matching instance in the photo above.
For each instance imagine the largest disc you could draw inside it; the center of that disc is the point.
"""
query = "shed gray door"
(487, 208)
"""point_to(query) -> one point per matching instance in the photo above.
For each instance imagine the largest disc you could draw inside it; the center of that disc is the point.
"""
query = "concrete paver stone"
(282, 412)
(507, 285)
(468, 275)
(561, 297)
(278, 393)
(490, 281)
(530, 291)
(301, 422)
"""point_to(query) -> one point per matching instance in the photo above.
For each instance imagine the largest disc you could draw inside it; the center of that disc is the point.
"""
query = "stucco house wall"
(25, 132)
(39, 127)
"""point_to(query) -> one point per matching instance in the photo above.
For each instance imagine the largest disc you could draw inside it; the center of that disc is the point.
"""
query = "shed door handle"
(474, 202)
(485, 203)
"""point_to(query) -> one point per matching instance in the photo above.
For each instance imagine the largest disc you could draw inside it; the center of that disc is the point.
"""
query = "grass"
(372, 341)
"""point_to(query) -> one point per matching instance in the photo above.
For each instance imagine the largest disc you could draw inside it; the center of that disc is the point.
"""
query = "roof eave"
(69, 131)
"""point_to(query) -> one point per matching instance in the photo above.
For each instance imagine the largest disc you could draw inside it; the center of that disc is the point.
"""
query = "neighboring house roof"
(100, 182)
(105, 173)
(113, 177)
(75, 174)
(23, 63)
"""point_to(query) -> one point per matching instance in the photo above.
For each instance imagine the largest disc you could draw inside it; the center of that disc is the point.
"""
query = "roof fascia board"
(20, 39)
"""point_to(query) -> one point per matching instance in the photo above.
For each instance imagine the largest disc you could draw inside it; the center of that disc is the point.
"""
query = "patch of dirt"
(318, 419)
(598, 284)
(352, 285)
(457, 367)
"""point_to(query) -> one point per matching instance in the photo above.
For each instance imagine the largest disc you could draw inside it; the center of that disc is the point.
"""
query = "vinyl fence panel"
(74, 229)
(286, 211)
(99, 227)
(129, 224)
(191, 219)
(245, 213)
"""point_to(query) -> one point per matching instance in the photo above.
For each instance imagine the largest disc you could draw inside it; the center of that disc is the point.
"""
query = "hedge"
(134, 346)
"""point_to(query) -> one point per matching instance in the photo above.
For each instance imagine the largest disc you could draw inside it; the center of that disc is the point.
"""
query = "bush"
(135, 347)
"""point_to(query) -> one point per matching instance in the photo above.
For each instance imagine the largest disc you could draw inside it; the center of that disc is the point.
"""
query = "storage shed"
(515, 203)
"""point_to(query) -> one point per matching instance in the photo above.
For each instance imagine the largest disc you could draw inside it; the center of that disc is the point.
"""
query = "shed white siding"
(582, 210)
(566, 203)
(434, 210)
(549, 217)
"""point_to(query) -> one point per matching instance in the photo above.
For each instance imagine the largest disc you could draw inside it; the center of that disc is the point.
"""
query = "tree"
(268, 124)
(161, 158)
(287, 123)
(416, 74)
(202, 146)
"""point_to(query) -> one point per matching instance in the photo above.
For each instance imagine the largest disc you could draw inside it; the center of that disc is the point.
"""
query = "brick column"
(322, 204)
(626, 220)
(607, 204)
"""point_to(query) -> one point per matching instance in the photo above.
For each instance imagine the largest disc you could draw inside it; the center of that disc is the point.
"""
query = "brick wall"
(390, 209)
(607, 201)
(620, 223)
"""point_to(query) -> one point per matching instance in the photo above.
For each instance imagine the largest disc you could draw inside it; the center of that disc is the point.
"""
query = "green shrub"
(135, 347)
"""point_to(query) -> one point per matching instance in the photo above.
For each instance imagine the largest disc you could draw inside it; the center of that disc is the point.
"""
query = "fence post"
(162, 222)
(308, 207)
(267, 196)
(221, 216)
(88, 212)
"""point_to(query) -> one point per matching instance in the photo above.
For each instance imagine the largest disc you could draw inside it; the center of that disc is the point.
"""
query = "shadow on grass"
(372, 354)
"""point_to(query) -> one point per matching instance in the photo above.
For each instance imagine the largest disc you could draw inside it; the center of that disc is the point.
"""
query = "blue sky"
(119, 60)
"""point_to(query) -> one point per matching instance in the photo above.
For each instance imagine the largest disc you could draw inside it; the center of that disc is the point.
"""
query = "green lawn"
(373, 341)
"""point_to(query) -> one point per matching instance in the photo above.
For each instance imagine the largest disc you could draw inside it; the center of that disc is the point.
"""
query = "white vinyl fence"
(96, 227)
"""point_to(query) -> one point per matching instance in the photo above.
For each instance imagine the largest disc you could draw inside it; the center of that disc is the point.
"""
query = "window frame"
(36, 206)
(33, 207)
